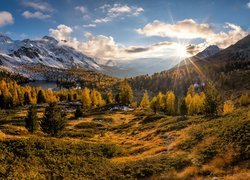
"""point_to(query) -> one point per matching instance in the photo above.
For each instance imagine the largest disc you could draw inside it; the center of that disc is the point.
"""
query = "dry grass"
(2, 135)
(141, 141)
(245, 175)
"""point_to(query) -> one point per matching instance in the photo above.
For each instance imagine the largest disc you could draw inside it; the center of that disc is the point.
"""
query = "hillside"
(128, 145)
(226, 69)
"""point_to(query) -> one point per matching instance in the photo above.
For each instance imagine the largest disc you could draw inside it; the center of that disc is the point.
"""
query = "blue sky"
(129, 29)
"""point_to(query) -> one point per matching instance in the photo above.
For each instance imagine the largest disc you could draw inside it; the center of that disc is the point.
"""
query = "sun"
(181, 51)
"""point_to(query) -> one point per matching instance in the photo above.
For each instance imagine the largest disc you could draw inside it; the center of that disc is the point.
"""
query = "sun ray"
(201, 73)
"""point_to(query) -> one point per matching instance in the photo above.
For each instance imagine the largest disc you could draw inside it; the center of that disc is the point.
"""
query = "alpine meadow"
(125, 89)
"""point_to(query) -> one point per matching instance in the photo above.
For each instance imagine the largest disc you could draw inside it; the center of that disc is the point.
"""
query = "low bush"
(152, 118)
(55, 159)
(89, 125)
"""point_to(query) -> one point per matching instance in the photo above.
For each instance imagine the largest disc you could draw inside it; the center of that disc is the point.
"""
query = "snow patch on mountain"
(209, 51)
(14, 55)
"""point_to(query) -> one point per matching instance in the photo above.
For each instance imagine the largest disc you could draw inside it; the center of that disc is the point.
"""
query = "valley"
(124, 145)
(120, 90)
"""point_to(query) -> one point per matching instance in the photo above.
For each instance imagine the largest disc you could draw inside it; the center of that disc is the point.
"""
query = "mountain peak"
(209, 51)
(5, 39)
(49, 39)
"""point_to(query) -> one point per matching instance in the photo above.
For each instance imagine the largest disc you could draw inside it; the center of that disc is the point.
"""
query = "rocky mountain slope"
(26, 57)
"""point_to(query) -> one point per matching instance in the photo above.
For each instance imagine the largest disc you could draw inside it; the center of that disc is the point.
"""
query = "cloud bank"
(36, 15)
(105, 47)
(118, 10)
(42, 10)
(190, 29)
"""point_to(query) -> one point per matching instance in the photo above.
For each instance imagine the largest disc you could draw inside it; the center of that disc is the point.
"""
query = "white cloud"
(189, 29)
(105, 47)
(82, 9)
(40, 6)
(37, 15)
(103, 20)
(248, 5)
(6, 18)
(62, 32)
(89, 25)
(224, 39)
(119, 9)
(186, 29)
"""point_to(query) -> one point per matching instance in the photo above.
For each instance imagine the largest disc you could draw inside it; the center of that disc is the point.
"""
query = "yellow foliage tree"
(244, 99)
(86, 100)
(100, 100)
(110, 97)
(195, 103)
(153, 104)
(94, 98)
(50, 96)
(170, 102)
(145, 101)
(228, 107)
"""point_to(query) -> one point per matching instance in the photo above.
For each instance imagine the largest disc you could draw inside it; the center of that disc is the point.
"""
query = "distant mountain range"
(24, 56)
(136, 67)
(227, 69)
(31, 58)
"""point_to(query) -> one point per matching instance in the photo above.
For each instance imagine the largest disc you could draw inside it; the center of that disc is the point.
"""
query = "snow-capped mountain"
(209, 51)
(17, 55)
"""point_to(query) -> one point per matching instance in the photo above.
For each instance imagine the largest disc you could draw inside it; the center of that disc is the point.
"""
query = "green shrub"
(196, 135)
(54, 120)
(78, 112)
(146, 168)
(54, 159)
(89, 125)
(109, 150)
(152, 118)
(78, 134)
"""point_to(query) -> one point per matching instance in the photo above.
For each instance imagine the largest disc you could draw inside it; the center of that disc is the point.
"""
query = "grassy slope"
(121, 145)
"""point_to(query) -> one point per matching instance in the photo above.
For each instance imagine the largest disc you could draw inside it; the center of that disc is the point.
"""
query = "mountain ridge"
(226, 70)
(47, 51)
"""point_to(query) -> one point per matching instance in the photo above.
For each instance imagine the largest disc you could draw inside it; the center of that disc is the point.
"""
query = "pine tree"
(41, 97)
(26, 98)
(54, 120)
(145, 101)
(31, 121)
(183, 107)
(78, 112)
(69, 97)
(86, 101)
(211, 101)
(75, 96)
